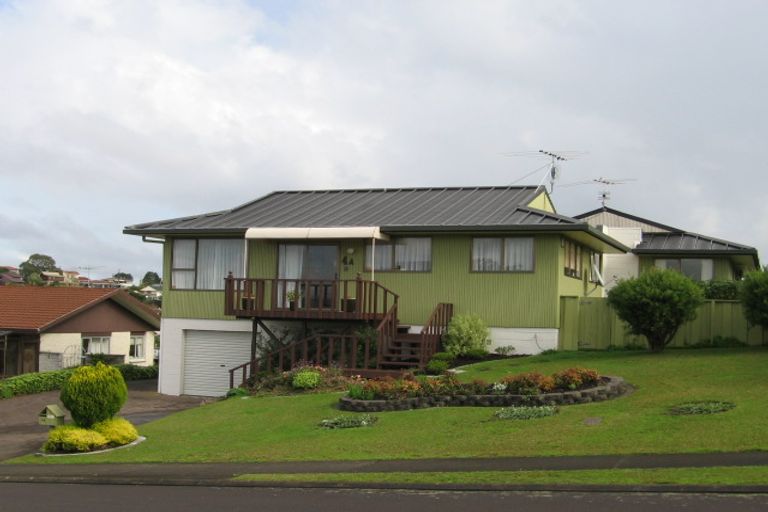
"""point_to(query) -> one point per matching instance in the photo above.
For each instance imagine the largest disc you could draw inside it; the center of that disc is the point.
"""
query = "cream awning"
(316, 233)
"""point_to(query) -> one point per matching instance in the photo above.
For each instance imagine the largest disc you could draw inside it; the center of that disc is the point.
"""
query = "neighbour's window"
(204, 264)
(413, 254)
(136, 350)
(573, 262)
(697, 269)
(96, 344)
(596, 266)
(502, 254)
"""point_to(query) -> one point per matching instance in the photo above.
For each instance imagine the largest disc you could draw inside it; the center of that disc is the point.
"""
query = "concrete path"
(20, 434)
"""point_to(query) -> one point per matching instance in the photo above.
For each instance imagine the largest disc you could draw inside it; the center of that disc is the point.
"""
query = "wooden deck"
(300, 299)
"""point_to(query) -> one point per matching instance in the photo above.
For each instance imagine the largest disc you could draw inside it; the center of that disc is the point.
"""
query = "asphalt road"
(119, 498)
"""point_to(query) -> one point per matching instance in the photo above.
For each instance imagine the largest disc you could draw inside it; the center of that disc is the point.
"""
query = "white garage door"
(208, 355)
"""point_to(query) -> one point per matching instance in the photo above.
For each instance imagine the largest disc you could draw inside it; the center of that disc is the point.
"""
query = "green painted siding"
(503, 299)
(591, 323)
(722, 268)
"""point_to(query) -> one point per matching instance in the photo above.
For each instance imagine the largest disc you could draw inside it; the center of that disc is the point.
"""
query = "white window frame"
(98, 339)
(142, 342)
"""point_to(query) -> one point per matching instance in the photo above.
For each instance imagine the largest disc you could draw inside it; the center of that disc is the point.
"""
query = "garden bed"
(610, 387)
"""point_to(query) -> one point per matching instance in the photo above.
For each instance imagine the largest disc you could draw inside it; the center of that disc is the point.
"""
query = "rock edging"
(612, 387)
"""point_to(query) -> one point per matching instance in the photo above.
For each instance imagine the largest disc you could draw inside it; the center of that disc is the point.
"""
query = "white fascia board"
(316, 233)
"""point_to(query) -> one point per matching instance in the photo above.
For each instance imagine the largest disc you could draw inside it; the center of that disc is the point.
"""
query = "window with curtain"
(136, 350)
(412, 254)
(204, 264)
(513, 254)
(383, 259)
(96, 344)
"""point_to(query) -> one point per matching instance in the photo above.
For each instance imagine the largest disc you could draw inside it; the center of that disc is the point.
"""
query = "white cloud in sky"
(115, 113)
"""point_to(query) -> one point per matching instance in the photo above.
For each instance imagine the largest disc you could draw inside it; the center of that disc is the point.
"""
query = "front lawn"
(279, 428)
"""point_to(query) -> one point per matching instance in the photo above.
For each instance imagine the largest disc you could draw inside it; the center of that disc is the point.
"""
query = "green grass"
(744, 475)
(286, 428)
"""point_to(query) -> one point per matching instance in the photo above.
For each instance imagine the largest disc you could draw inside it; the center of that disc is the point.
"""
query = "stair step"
(408, 336)
(403, 329)
(399, 363)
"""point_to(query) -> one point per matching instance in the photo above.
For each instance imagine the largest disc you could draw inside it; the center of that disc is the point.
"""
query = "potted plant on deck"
(293, 297)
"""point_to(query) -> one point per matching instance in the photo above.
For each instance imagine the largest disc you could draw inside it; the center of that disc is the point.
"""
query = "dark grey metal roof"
(404, 207)
(683, 241)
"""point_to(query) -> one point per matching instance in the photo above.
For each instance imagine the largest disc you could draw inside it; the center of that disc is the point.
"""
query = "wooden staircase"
(393, 350)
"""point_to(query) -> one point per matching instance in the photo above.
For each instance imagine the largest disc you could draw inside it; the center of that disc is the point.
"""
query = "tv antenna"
(605, 193)
(553, 171)
(88, 269)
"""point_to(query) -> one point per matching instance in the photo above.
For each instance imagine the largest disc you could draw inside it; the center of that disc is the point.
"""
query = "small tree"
(36, 264)
(754, 296)
(656, 304)
(150, 278)
(93, 394)
(123, 276)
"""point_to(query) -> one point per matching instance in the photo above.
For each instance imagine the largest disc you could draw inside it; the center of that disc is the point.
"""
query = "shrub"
(30, 383)
(69, 438)
(476, 353)
(720, 290)
(135, 372)
(93, 394)
(479, 387)
(575, 378)
(237, 392)
(754, 296)
(117, 431)
(360, 392)
(531, 383)
(464, 333)
(506, 350)
(437, 366)
(306, 379)
(524, 412)
(443, 356)
(364, 420)
(702, 407)
(656, 304)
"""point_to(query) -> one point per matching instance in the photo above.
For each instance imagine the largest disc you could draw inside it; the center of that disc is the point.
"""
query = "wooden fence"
(590, 323)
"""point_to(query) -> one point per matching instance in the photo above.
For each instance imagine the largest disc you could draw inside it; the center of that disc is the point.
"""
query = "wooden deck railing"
(346, 299)
(347, 351)
(386, 332)
(433, 331)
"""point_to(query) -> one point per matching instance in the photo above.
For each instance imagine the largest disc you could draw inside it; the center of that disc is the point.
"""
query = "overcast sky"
(114, 113)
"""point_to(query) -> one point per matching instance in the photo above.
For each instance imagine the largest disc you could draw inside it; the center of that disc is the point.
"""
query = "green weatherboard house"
(322, 264)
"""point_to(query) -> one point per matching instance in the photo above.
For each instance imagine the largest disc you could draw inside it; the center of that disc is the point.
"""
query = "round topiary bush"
(117, 431)
(466, 333)
(93, 394)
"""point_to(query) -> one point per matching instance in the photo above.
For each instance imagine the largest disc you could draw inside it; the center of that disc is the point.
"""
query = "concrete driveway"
(20, 434)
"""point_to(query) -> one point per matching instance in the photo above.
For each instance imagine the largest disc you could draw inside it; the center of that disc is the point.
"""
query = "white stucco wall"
(525, 340)
(59, 342)
(172, 347)
(119, 344)
(621, 266)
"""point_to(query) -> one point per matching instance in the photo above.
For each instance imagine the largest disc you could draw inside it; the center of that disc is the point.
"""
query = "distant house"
(11, 275)
(47, 328)
(700, 257)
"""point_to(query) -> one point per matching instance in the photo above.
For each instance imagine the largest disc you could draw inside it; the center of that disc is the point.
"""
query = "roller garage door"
(208, 355)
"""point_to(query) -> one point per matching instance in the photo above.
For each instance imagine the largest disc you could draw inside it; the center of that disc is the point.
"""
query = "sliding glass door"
(310, 272)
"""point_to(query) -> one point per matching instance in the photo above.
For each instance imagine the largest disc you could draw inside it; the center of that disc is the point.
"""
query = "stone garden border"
(612, 387)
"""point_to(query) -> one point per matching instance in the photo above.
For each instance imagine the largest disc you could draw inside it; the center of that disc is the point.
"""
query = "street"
(118, 498)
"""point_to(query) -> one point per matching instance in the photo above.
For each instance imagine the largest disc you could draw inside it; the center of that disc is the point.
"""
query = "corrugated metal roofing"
(34, 308)
(394, 208)
(684, 241)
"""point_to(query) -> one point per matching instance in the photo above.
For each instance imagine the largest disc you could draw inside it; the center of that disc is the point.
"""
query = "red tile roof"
(34, 308)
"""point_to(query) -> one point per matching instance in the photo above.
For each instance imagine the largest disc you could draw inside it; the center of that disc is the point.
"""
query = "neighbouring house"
(700, 257)
(330, 261)
(10, 275)
(152, 292)
(47, 328)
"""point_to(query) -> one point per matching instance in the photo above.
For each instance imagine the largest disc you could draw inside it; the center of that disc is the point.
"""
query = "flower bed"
(572, 386)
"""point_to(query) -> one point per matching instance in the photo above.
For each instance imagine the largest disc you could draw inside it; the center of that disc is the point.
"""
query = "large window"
(203, 264)
(136, 350)
(502, 254)
(405, 254)
(696, 268)
(96, 344)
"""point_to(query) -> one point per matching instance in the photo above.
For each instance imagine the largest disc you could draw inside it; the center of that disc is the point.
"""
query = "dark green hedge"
(31, 383)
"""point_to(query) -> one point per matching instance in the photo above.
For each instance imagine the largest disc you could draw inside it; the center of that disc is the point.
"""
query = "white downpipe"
(373, 258)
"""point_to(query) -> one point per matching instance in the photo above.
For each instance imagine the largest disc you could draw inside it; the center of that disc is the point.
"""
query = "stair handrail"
(433, 331)
(386, 332)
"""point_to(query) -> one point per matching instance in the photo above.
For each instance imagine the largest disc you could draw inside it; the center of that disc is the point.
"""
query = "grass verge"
(726, 476)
